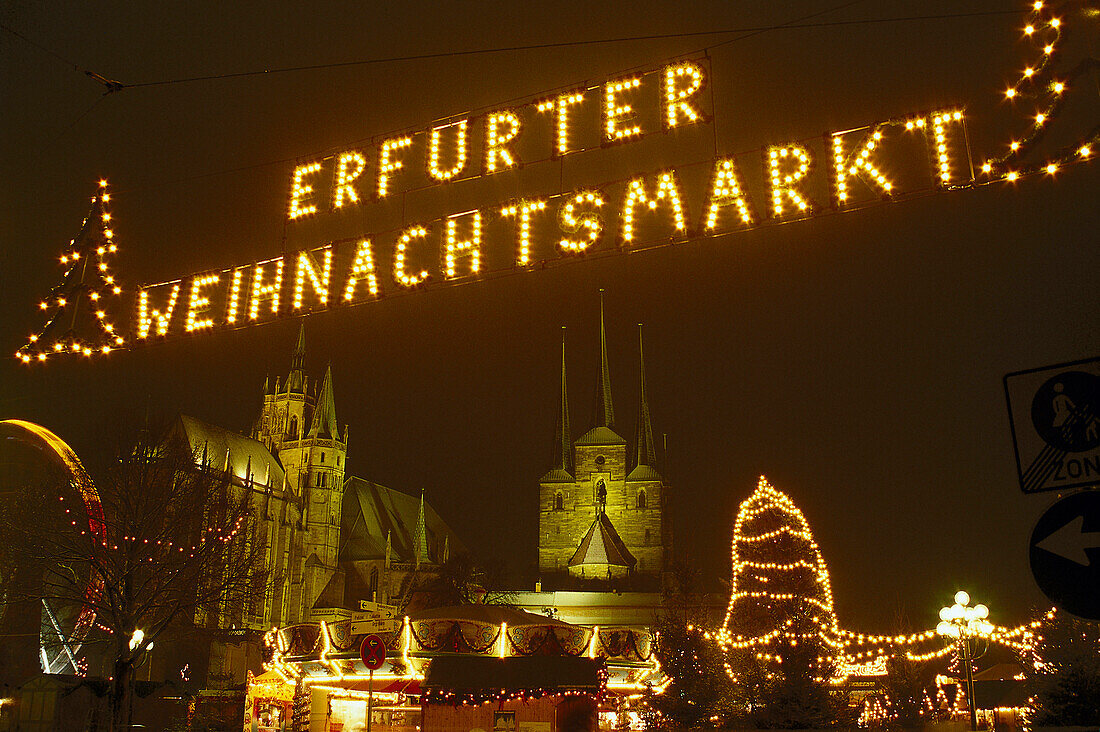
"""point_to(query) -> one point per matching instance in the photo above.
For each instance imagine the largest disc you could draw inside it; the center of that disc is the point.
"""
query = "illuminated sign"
(477, 155)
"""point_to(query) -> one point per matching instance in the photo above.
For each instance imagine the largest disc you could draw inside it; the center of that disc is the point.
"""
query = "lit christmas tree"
(76, 318)
(781, 603)
(780, 634)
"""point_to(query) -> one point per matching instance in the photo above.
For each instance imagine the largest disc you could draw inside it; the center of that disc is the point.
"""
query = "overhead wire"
(742, 33)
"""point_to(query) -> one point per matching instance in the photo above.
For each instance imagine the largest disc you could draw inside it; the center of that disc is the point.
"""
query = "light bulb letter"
(265, 291)
(349, 166)
(388, 163)
(317, 275)
(161, 318)
(787, 165)
(435, 170)
(572, 222)
(726, 190)
(523, 210)
(455, 247)
(682, 82)
(559, 107)
(615, 113)
(400, 253)
(362, 270)
(198, 303)
(300, 191)
(667, 191)
(501, 128)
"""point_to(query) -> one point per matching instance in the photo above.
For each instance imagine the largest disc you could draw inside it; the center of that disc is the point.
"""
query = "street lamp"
(966, 625)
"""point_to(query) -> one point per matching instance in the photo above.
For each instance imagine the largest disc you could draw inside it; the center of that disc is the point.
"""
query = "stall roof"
(466, 674)
(495, 614)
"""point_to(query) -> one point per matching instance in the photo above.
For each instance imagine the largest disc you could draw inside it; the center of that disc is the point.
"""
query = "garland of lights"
(1038, 83)
(81, 283)
(852, 652)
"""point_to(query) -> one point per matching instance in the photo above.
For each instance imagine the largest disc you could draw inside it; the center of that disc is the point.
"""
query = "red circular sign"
(373, 652)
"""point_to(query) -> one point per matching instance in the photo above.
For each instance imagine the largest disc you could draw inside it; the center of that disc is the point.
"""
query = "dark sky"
(855, 359)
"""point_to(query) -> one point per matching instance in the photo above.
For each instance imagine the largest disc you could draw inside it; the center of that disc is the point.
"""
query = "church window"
(337, 461)
(322, 457)
(600, 460)
(641, 499)
(559, 502)
(321, 479)
(294, 428)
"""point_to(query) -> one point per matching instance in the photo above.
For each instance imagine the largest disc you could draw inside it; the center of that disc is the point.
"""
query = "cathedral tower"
(601, 504)
(299, 427)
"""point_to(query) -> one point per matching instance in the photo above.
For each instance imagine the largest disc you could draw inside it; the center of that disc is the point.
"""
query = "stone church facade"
(602, 505)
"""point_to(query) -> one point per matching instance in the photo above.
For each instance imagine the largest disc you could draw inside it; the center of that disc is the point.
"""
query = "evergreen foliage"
(701, 694)
(1063, 672)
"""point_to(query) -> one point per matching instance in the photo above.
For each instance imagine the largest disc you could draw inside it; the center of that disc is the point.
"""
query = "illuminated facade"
(602, 504)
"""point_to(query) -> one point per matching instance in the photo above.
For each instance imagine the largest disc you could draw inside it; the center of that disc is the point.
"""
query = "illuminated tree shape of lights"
(780, 596)
(76, 320)
(1039, 94)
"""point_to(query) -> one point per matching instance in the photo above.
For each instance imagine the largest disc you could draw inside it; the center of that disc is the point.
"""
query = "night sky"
(855, 358)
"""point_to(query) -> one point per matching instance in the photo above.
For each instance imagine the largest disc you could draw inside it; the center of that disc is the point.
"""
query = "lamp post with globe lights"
(966, 626)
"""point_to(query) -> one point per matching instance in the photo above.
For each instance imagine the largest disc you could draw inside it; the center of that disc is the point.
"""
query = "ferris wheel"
(27, 452)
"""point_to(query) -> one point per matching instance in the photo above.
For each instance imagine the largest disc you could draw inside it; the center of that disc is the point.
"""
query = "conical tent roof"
(602, 545)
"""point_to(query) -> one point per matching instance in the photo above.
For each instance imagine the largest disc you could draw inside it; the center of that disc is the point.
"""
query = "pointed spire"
(295, 382)
(563, 440)
(389, 548)
(605, 410)
(645, 452)
(421, 538)
(324, 414)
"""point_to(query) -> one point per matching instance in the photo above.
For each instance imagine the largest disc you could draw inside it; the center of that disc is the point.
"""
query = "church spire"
(296, 381)
(644, 452)
(605, 410)
(421, 538)
(563, 440)
(324, 415)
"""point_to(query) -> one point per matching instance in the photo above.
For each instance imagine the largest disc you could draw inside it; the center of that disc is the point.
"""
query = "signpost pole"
(370, 698)
(968, 658)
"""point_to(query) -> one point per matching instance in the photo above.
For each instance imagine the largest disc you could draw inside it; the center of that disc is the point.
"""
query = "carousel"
(498, 668)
